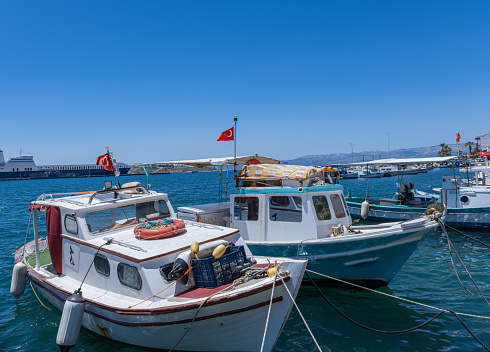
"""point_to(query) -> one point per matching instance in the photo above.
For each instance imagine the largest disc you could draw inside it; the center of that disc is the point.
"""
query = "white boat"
(154, 293)
(370, 172)
(467, 203)
(289, 211)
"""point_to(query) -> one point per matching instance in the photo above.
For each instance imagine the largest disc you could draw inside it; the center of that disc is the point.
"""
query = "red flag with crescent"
(105, 161)
(458, 137)
(227, 135)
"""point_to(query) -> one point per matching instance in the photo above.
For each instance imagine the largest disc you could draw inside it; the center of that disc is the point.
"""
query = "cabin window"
(101, 264)
(246, 208)
(115, 218)
(321, 208)
(285, 208)
(152, 210)
(71, 225)
(129, 276)
(345, 204)
(338, 208)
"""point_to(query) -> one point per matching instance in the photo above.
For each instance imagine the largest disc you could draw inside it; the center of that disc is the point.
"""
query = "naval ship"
(24, 167)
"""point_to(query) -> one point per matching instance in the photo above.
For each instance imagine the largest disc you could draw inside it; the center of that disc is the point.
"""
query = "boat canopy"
(275, 172)
(240, 160)
(409, 161)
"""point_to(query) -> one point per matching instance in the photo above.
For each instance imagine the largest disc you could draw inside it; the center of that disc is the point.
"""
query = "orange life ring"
(143, 233)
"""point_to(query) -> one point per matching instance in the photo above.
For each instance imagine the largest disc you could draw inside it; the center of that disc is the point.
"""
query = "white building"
(483, 141)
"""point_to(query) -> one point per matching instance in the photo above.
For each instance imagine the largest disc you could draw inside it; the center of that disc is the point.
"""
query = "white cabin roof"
(240, 160)
(408, 161)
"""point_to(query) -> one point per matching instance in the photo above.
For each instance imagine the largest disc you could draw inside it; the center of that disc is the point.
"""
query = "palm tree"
(469, 144)
(445, 150)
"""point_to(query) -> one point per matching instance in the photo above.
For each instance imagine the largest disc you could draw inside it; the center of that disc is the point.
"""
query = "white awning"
(409, 161)
(240, 160)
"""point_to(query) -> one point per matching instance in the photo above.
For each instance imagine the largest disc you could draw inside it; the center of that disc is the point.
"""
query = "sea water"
(427, 277)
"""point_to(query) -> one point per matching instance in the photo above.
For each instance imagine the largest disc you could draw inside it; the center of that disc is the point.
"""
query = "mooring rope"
(25, 239)
(269, 311)
(33, 290)
(367, 327)
(301, 315)
(391, 296)
(441, 311)
(249, 275)
(472, 238)
(461, 261)
(454, 266)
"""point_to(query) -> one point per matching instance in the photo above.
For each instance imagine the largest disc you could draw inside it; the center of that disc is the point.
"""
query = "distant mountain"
(346, 158)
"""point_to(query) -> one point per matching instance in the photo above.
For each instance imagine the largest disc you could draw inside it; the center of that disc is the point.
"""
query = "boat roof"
(88, 201)
(274, 171)
(126, 245)
(240, 160)
(409, 161)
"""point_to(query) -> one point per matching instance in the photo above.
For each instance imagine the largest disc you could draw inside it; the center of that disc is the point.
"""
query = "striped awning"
(274, 171)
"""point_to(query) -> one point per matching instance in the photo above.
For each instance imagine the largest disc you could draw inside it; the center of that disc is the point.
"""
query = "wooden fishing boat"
(158, 293)
(289, 211)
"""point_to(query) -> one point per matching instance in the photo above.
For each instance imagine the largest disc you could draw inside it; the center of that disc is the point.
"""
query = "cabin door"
(248, 216)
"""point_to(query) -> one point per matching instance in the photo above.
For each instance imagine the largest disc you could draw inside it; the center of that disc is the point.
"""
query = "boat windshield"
(115, 218)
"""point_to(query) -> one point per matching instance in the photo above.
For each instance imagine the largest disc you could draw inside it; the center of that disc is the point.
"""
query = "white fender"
(365, 209)
(71, 321)
(18, 284)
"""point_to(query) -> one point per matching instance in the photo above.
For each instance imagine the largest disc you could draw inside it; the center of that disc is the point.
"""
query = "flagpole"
(114, 165)
(234, 139)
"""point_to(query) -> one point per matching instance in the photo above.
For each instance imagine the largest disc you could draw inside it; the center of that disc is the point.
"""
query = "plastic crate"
(210, 273)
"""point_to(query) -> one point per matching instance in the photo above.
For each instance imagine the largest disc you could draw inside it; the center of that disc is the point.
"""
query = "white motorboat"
(370, 172)
(467, 202)
(143, 285)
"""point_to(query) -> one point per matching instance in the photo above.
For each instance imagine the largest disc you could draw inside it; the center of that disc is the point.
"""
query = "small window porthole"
(464, 199)
(129, 276)
(101, 265)
(71, 225)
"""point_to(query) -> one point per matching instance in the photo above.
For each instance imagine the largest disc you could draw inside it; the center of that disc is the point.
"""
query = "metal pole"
(388, 144)
(36, 241)
(352, 147)
(234, 138)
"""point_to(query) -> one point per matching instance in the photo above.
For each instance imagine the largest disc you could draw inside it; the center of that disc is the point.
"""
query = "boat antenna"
(114, 165)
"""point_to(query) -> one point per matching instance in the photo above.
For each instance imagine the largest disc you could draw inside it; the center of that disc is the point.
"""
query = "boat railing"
(136, 188)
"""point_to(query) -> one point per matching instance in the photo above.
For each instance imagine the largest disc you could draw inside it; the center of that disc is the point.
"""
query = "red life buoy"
(143, 233)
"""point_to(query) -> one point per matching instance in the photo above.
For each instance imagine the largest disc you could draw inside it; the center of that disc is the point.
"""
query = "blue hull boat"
(289, 211)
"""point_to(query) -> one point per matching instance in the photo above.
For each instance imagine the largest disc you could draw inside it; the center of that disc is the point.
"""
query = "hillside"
(346, 158)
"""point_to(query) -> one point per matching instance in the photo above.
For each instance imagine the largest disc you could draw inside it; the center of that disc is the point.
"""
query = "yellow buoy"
(219, 251)
(271, 272)
(194, 247)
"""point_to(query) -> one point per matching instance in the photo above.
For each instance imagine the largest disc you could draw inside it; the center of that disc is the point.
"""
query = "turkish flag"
(105, 161)
(227, 135)
(458, 137)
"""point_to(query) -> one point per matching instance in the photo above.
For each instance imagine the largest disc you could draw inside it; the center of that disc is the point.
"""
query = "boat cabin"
(100, 227)
(278, 203)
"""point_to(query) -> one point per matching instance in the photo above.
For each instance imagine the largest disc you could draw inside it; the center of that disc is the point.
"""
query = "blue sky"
(160, 80)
